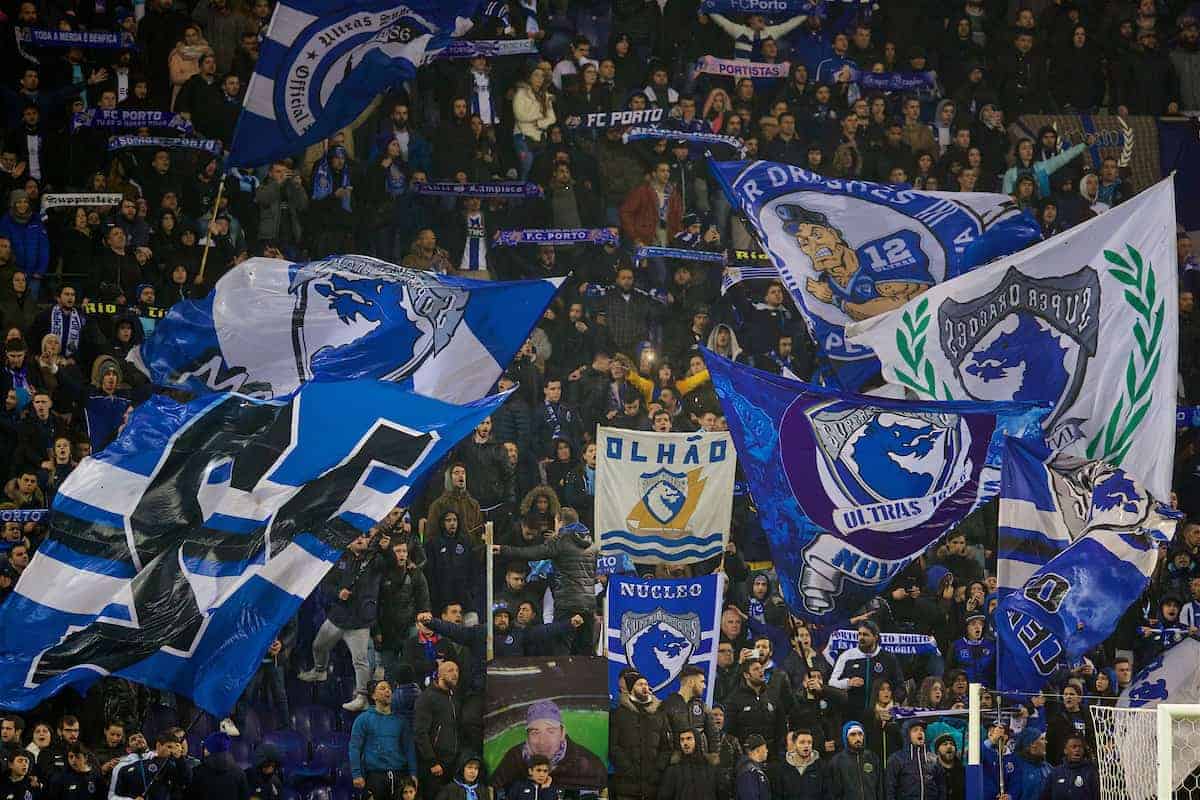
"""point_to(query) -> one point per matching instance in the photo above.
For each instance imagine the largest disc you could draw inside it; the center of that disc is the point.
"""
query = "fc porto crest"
(877, 468)
(668, 500)
(1026, 339)
(361, 306)
(659, 644)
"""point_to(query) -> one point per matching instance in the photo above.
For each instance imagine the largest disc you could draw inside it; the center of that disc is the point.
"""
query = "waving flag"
(658, 627)
(1087, 320)
(177, 553)
(323, 61)
(1027, 541)
(849, 250)
(271, 325)
(1073, 602)
(851, 489)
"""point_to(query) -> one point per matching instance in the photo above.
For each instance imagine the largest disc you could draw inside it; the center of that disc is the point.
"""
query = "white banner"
(1087, 320)
(664, 497)
(54, 200)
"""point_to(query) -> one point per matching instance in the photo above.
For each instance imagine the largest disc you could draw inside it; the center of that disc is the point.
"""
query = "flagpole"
(490, 568)
(212, 220)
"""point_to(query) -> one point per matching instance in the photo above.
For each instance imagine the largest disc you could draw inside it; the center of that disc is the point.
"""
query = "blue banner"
(494, 189)
(92, 40)
(1187, 417)
(487, 48)
(23, 514)
(849, 250)
(851, 489)
(658, 627)
(164, 143)
(323, 61)
(1073, 602)
(893, 81)
(271, 325)
(177, 553)
(685, 254)
(556, 236)
(608, 119)
(120, 118)
(697, 137)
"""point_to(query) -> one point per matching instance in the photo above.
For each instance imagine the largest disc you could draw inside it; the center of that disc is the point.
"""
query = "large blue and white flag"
(177, 553)
(664, 498)
(1073, 602)
(1026, 539)
(848, 250)
(851, 489)
(323, 61)
(271, 325)
(660, 626)
(1087, 320)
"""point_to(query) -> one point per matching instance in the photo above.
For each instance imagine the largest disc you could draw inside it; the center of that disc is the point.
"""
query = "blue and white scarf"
(130, 118)
(67, 330)
(678, 252)
(736, 68)
(893, 81)
(164, 143)
(488, 48)
(689, 136)
(495, 189)
(322, 179)
(483, 97)
(559, 236)
(93, 40)
(24, 514)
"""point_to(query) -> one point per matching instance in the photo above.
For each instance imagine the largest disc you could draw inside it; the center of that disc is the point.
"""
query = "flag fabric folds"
(851, 489)
(849, 250)
(658, 627)
(271, 325)
(177, 553)
(1026, 540)
(322, 62)
(1087, 320)
(664, 498)
(1073, 602)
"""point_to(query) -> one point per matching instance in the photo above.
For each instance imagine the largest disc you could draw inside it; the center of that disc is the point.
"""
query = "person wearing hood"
(573, 554)
(724, 342)
(1089, 190)
(912, 772)
(855, 772)
(382, 748)
(752, 782)
(264, 777)
(691, 775)
(30, 242)
(18, 305)
(763, 603)
(465, 786)
(1030, 770)
(945, 750)
(801, 773)
(1076, 77)
(1076, 778)
(218, 775)
(974, 653)
(858, 668)
(107, 403)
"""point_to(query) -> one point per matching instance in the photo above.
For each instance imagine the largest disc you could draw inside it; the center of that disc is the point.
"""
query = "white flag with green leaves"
(1086, 321)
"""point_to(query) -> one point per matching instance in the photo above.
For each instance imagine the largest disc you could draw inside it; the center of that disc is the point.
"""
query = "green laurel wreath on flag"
(910, 341)
(1113, 441)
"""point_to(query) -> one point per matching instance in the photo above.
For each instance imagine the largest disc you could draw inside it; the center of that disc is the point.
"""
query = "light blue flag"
(658, 627)
(322, 62)
(177, 553)
(851, 489)
(1073, 601)
(271, 325)
(849, 250)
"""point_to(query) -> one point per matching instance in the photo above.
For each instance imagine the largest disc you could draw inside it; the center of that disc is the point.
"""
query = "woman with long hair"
(717, 106)
(883, 731)
(533, 109)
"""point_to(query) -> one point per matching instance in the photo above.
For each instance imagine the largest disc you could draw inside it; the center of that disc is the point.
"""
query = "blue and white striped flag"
(664, 498)
(1073, 601)
(323, 61)
(177, 553)
(658, 627)
(735, 275)
(1029, 535)
(271, 325)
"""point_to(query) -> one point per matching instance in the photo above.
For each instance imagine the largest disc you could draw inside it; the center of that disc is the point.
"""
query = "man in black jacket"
(751, 711)
(80, 781)
(403, 593)
(912, 772)
(491, 475)
(218, 775)
(435, 728)
(354, 580)
(801, 773)
(690, 775)
(685, 710)
(638, 742)
(855, 773)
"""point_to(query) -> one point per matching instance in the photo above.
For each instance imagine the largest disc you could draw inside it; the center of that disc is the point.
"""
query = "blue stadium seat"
(321, 721)
(302, 721)
(268, 719)
(293, 748)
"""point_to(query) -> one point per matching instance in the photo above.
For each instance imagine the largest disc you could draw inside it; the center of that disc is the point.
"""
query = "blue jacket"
(1027, 778)
(382, 742)
(1068, 781)
(30, 244)
(913, 774)
(977, 659)
(1042, 170)
(752, 781)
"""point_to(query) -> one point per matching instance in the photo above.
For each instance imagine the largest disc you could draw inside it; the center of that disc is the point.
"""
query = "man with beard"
(801, 774)
(751, 709)
(855, 773)
(638, 742)
(573, 766)
(685, 710)
(912, 773)
(860, 668)
(951, 766)
(690, 775)
(436, 728)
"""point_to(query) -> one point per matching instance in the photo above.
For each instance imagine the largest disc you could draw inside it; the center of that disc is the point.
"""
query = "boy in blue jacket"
(382, 749)
(974, 654)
